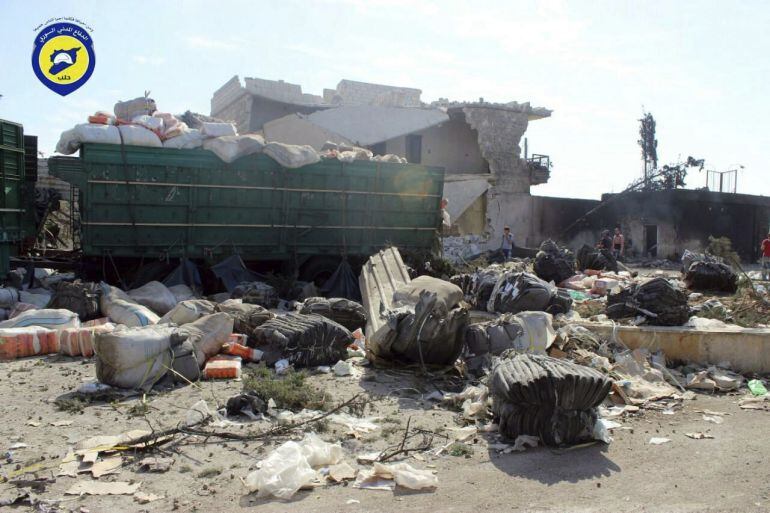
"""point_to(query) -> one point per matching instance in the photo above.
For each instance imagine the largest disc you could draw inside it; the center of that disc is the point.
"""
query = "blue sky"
(700, 67)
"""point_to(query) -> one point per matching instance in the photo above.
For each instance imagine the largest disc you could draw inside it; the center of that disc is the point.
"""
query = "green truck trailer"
(16, 196)
(145, 203)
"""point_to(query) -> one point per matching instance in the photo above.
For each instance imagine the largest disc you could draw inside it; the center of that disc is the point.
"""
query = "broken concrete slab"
(747, 349)
(380, 277)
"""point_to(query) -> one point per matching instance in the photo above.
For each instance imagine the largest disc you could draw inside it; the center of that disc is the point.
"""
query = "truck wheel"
(318, 269)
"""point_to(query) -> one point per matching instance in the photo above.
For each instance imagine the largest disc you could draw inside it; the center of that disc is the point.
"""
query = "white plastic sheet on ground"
(290, 467)
(402, 474)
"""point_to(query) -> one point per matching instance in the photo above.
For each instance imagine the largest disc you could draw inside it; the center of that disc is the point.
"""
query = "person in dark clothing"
(606, 241)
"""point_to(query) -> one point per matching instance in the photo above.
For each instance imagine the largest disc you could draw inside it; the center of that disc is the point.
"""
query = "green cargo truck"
(15, 205)
(148, 203)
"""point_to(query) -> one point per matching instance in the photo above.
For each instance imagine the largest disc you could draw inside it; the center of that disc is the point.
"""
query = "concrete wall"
(685, 219)
(351, 92)
(452, 145)
(294, 129)
(238, 112)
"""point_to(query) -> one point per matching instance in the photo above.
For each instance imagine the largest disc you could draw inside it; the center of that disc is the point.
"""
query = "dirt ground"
(727, 473)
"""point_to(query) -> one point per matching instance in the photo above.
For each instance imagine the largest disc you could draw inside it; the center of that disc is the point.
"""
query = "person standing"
(618, 243)
(766, 258)
(507, 244)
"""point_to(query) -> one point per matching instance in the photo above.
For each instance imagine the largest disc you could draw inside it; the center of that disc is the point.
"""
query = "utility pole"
(649, 147)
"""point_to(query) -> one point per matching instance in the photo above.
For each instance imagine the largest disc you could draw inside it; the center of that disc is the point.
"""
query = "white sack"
(70, 140)
(232, 147)
(291, 155)
(139, 136)
(211, 129)
(155, 296)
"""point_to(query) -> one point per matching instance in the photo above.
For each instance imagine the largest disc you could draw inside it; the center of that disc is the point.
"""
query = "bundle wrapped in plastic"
(70, 140)
(291, 156)
(129, 109)
(232, 147)
(213, 129)
(185, 140)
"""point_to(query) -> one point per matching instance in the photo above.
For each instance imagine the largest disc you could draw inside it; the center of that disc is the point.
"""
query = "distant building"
(477, 143)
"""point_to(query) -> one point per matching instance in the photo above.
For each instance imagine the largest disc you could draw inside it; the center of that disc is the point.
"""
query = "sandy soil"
(727, 473)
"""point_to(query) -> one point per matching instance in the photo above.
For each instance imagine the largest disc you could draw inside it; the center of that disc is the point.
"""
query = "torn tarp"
(232, 271)
(186, 273)
(342, 283)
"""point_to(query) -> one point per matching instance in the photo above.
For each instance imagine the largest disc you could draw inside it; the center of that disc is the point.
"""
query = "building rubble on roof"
(478, 143)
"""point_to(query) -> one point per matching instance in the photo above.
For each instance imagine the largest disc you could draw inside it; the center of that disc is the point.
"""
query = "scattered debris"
(658, 440)
(699, 435)
(103, 488)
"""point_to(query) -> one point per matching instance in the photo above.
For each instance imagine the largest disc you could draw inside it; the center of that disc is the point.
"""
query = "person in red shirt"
(766, 258)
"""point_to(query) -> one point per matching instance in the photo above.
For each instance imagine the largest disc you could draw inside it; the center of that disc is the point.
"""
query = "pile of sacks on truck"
(138, 122)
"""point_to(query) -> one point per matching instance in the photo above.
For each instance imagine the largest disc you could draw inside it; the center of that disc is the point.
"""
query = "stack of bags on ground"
(708, 273)
(138, 122)
(156, 334)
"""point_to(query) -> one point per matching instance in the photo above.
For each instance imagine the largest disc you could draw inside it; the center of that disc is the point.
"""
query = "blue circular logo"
(63, 57)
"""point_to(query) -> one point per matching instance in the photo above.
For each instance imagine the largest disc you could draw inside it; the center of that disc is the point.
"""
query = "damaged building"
(662, 224)
(487, 181)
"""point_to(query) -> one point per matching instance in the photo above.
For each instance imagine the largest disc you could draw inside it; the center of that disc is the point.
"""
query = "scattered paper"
(60, 423)
(713, 418)
(341, 472)
(103, 488)
(368, 457)
(699, 435)
(18, 445)
(352, 501)
(33, 423)
(69, 468)
(659, 440)
(144, 498)
(106, 466)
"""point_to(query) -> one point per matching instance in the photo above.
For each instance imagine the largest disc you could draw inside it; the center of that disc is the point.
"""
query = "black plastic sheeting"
(550, 398)
(186, 273)
(304, 340)
(232, 271)
(596, 259)
(350, 314)
(522, 292)
(658, 300)
(342, 283)
(711, 276)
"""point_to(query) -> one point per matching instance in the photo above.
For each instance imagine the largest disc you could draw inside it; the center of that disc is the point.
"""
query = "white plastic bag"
(55, 319)
(289, 467)
(187, 311)
(211, 129)
(121, 309)
(232, 147)
(282, 473)
(70, 140)
(155, 296)
(406, 475)
(185, 140)
(133, 135)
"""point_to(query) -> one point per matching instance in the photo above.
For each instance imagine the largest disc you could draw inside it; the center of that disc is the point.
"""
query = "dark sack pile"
(658, 300)
(553, 263)
(541, 396)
